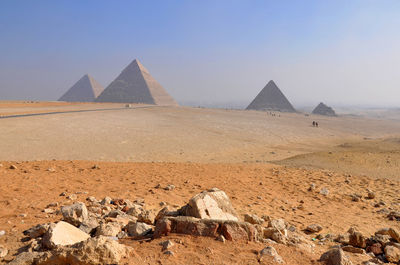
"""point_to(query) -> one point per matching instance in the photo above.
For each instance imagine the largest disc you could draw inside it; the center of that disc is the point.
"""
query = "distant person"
(316, 124)
(313, 123)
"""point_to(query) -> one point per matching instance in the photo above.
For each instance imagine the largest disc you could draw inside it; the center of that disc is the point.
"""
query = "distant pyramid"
(136, 85)
(85, 90)
(271, 98)
(323, 109)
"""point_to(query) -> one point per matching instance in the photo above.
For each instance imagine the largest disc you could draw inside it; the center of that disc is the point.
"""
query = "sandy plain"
(264, 163)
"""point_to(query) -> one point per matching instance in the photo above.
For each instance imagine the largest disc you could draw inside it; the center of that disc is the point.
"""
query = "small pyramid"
(136, 85)
(85, 90)
(323, 109)
(271, 98)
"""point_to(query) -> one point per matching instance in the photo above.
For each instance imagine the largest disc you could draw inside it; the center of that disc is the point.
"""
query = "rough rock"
(271, 252)
(371, 195)
(28, 258)
(169, 187)
(98, 250)
(335, 256)
(357, 240)
(394, 234)
(231, 230)
(108, 229)
(89, 225)
(382, 231)
(3, 251)
(313, 228)
(63, 234)
(166, 245)
(75, 214)
(392, 254)
(352, 249)
(375, 248)
(138, 229)
(2, 232)
(165, 212)
(279, 224)
(37, 230)
(211, 204)
(253, 219)
(106, 200)
(146, 217)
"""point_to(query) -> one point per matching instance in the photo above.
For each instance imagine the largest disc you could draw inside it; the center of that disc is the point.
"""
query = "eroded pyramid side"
(85, 90)
(136, 85)
(271, 98)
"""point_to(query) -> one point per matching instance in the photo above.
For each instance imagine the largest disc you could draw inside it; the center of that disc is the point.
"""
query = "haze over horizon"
(339, 52)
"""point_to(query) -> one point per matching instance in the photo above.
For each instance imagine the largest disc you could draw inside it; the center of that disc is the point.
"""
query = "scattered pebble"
(170, 187)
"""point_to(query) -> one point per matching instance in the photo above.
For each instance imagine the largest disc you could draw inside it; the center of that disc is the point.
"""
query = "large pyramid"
(136, 85)
(271, 98)
(323, 109)
(85, 90)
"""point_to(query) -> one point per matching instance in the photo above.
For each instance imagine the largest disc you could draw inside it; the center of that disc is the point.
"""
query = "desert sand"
(266, 164)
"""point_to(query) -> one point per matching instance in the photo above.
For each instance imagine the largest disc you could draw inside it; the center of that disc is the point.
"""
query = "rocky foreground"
(86, 229)
(89, 232)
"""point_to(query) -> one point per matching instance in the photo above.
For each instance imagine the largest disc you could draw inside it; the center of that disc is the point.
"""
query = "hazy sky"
(340, 52)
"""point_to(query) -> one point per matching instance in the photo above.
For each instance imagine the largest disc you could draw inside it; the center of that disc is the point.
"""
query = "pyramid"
(136, 85)
(85, 90)
(323, 109)
(271, 98)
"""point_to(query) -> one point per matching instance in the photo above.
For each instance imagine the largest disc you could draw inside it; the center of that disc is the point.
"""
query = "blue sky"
(339, 52)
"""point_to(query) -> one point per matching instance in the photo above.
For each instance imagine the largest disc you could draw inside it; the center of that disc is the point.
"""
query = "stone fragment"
(352, 249)
(370, 195)
(89, 225)
(234, 231)
(279, 224)
(383, 231)
(313, 228)
(166, 245)
(231, 230)
(138, 229)
(165, 212)
(394, 234)
(75, 214)
(375, 248)
(93, 251)
(253, 219)
(392, 254)
(146, 217)
(28, 258)
(335, 256)
(13, 167)
(169, 187)
(108, 229)
(2, 232)
(211, 204)
(357, 240)
(63, 234)
(37, 231)
(271, 252)
(106, 201)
